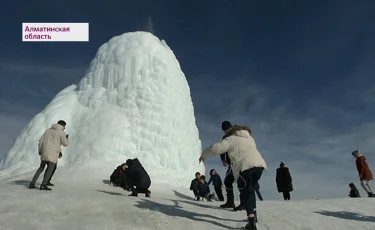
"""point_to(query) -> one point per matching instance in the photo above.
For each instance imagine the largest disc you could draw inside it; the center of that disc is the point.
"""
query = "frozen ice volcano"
(134, 101)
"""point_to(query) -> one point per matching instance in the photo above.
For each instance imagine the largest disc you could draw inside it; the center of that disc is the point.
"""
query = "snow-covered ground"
(77, 205)
(134, 101)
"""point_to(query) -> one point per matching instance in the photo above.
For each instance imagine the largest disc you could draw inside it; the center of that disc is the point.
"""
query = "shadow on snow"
(177, 211)
(25, 183)
(110, 193)
(192, 201)
(347, 215)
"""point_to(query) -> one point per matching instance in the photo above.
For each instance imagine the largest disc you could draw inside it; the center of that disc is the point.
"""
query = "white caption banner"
(55, 32)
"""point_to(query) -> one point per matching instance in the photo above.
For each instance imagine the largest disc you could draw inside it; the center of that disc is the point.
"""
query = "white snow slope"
(134, 101)
(97, 206)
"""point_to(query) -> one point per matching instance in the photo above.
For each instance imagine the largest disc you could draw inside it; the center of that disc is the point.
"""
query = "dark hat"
(225, 125)
(128, 162)
(282, 164)
(61, 122)
(355, 152)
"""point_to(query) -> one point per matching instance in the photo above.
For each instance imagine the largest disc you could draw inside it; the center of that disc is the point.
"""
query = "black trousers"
(53, 172)
(286, 195)
(219, 193)
(229, 179)
(251, 177)
(259, 194)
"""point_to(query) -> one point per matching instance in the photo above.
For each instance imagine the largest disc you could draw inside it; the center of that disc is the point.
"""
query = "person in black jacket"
(218, 183)
(194, 185)
(203, 189)
(284, 181)
(354, 193)
(118, 177)
(229, 178)
(137, 178)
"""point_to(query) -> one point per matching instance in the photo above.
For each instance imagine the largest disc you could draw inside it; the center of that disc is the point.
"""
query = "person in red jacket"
(365, 174)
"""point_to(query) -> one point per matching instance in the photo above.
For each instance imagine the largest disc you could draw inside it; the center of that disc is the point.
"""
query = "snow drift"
(134, 101)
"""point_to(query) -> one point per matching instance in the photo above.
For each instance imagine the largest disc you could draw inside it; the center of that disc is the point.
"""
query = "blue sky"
(301, 74)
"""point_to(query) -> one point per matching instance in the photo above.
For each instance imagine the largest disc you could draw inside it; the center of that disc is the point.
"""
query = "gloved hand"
(60, 155)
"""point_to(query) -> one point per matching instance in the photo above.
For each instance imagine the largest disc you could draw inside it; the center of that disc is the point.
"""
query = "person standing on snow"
(229, 178)
(365, 174)
(284, 181)
(246, 162)
(49, 151)
(218, 183)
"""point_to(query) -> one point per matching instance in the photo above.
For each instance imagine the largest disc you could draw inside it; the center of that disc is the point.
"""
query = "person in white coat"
(49, 151)
(246, 162)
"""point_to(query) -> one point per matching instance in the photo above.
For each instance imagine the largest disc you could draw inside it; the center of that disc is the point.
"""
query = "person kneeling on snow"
(194, 184)
(137, 178)
(354, 193)
(203, 189)
(118, 177)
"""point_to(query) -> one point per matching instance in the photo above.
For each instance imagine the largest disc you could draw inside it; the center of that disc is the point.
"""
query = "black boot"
(251, 225)
(241, 206)
(230, 200)
(370, 194)
(44, 187)
(148, 193)
(31, 186)
(50, 184)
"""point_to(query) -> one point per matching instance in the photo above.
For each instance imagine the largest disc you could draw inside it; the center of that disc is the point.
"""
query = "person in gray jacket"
(246, 162)
(49, 151)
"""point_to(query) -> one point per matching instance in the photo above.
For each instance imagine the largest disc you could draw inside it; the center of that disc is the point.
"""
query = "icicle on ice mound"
(134, 101)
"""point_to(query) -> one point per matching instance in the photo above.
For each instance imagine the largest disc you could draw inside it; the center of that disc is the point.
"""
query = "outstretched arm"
(216, 149)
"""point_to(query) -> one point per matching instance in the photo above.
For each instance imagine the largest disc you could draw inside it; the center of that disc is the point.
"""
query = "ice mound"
(134, 101)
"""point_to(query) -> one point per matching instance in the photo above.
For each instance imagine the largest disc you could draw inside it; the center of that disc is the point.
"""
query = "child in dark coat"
(354, 193)
(194, 185)
(118, 177)
(217, 183)
(204, 189)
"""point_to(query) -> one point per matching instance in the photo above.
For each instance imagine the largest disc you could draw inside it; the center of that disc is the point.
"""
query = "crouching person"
(203, 189)
(354, 193)
(194, 184)
(118, 177)
(137, 178)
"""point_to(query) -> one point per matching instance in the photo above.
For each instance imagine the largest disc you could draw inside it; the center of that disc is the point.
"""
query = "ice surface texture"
(134, 101)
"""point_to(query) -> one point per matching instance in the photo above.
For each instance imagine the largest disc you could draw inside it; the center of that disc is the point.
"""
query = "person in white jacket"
(246, 161)
(49, 151)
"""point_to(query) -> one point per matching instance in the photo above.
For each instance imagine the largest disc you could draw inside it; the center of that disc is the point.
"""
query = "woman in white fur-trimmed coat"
(246, 161)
